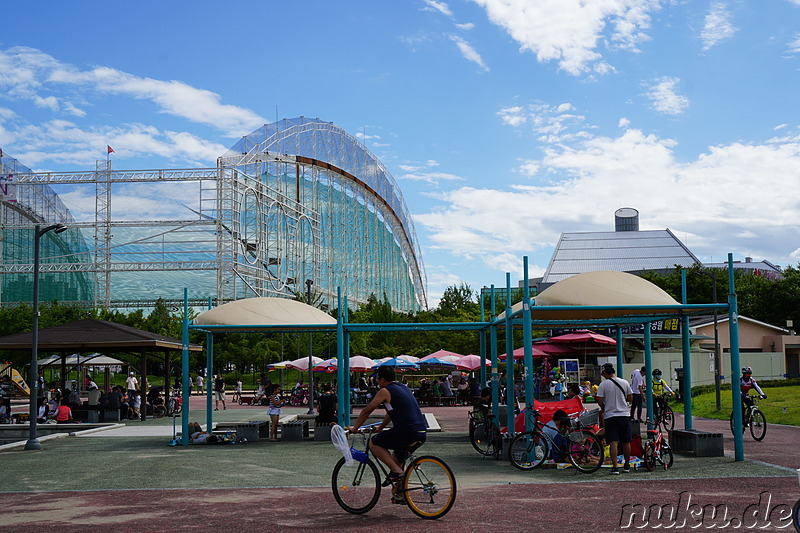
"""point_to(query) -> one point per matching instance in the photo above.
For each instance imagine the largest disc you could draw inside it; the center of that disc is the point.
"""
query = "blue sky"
(505, 122)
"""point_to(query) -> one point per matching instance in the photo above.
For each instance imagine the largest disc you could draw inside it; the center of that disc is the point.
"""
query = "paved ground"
(130, 480)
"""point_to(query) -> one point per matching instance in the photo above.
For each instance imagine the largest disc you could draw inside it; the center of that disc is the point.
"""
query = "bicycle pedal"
(399, 500)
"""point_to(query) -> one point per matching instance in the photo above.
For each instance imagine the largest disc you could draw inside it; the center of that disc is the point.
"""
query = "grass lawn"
(782, 405)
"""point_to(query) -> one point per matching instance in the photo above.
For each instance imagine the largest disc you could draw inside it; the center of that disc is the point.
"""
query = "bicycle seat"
(652, 432)
(411, 448)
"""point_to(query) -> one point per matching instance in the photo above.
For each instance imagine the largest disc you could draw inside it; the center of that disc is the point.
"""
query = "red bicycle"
(657, 451)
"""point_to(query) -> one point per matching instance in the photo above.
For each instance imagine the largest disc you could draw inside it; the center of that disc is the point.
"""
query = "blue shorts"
(398, 440)
(618, 429)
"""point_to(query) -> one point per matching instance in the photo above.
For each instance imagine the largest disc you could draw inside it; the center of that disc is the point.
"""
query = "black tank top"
(404, 409)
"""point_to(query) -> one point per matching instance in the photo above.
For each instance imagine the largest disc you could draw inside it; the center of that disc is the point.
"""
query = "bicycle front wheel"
(758, 425)
(528, 450)
(357, 487)
(586, 453)
(650, 456)
(429, 487)
(159, 411)
(667, 419)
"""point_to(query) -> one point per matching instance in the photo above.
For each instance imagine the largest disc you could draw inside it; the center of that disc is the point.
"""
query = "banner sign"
(8, 188)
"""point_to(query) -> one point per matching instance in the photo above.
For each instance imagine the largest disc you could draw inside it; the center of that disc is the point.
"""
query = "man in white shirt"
(637, 384)
(613, 396)
(131, 383)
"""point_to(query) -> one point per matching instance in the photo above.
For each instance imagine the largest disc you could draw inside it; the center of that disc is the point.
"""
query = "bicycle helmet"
(657, 372)
(747, 370)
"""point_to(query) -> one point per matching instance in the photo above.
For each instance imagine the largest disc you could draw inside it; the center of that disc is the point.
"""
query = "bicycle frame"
(537, 427)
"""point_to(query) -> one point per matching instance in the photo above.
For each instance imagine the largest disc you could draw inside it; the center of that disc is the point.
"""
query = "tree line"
(769, 300)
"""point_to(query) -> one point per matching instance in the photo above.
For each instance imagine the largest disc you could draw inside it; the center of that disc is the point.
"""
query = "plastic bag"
(339, 441)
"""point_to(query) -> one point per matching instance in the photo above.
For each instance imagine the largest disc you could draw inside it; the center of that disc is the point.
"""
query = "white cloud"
(794, 46)
(430, 177)
(465, 26)
(469, 52)
(623, 123)
(718, 200)
(664, 97)
(64, 142)
(571, 31)
(439, 7)
(29, 74)
(552, 123)
(513, 116)
(718, 25)
(529, 167)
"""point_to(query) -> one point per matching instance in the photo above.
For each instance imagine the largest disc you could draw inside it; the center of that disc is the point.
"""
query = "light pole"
(33, 442)
(716, 335)
(309, 283)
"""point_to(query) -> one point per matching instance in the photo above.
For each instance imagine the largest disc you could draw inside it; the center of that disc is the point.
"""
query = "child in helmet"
(660, 391)
(746, 383)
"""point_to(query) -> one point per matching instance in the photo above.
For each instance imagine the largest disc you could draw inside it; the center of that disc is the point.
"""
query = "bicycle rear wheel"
(484, 438)
(159, 411)
(357, 487)
(758, 425)
(585, 454)
(667, 418)
(744, 422)
(528, 450)
(665, 456)
(429, 487)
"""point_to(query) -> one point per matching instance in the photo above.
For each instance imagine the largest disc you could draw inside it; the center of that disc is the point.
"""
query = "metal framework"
(296, 200)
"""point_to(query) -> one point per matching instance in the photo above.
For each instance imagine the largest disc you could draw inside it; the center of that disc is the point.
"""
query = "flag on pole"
(110, 150)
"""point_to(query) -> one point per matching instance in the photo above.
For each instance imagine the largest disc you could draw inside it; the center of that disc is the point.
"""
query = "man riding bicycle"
(660, 391)
(746, 383)
(408, 423)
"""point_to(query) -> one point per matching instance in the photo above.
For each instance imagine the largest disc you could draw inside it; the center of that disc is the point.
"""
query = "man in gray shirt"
(613, 396)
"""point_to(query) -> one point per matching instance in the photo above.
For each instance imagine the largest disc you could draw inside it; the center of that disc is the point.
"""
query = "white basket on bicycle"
(340, 442)
(589, 418)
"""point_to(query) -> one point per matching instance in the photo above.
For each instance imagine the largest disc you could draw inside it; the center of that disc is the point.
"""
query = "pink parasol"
(583, 336)
(471, 362)
(302, 363)
(519, 353)
(359, 363)
(439, 354)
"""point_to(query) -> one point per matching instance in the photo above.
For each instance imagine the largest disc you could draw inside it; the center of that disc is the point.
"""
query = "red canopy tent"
(583, 336)
(547, 410)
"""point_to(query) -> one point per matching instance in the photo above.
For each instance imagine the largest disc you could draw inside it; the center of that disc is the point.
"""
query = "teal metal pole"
(340, 372)
(185, 370)
(687, 359)
(620, 357)
(736, 370)
(346, 355)
(495, 370)
(209, 380)
(509, 359)
(648, 371)
(209, 376)
(527, 375)
(482, 340)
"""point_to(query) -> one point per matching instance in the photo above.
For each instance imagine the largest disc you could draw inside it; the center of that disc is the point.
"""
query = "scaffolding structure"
(296, 200)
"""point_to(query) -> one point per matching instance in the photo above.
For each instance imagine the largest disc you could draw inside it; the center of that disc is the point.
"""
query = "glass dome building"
(295, 201)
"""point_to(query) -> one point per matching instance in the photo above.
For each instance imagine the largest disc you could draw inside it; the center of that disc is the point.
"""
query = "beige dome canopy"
(599, 288)
(264, 311)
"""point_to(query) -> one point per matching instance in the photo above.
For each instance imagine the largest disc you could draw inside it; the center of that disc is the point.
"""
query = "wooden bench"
(700, 443)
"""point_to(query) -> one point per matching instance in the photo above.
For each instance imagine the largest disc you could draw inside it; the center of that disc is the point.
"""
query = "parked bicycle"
(581, 446)
(174, 405)
(657, 451)
(299, 397)
(484, 433)
(428, 486)
(753, 418)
